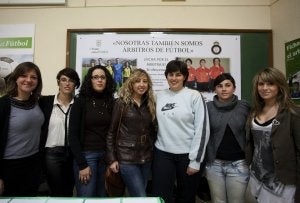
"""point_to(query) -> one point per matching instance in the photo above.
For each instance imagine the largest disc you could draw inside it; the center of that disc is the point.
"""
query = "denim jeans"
(135, 177)
(167, 168)
(95, 187)
(258, 192)
(227, 180)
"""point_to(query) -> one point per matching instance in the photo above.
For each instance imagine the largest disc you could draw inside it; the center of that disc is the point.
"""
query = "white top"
(56, 128)
(183, 124)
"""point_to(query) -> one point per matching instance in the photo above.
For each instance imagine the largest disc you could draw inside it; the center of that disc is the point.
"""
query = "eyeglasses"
(98, 77)
(66, 80)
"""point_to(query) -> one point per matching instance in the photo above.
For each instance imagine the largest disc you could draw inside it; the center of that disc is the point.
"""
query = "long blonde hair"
(126, 91)
(276, 77)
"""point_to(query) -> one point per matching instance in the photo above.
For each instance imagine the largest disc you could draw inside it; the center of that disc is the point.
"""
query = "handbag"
(114, 185)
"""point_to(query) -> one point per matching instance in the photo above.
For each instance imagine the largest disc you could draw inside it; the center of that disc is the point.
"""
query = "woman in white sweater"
(182, 137)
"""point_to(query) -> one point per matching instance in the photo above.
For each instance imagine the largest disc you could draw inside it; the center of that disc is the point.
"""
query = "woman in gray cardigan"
(226, 169)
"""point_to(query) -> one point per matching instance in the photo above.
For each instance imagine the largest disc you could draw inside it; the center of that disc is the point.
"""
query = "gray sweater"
(234, 114)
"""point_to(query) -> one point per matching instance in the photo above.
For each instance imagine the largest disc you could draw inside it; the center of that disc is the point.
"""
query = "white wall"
(52, 22)
(285, 21)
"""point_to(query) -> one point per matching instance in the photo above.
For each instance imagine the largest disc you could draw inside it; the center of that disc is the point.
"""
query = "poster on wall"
(292, 60)
(16, 46)
(207, 56)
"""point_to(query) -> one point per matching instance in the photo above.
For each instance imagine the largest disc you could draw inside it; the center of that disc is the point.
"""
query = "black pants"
(167, 168)
(59, 171)
(21, 176)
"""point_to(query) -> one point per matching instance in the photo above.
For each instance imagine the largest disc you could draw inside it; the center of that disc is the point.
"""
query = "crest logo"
(216, 49)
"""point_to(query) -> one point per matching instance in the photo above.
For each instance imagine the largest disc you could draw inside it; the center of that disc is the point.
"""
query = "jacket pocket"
(125, 143)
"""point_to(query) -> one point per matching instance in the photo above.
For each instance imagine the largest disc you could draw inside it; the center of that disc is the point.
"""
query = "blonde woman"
(132, 133)
(273, 141)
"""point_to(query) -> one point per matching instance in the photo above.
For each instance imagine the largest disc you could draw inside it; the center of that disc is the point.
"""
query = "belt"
(143, 139)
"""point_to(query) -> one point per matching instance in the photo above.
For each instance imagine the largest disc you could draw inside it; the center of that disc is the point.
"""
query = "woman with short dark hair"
(58, 158)
(183, 132)
(226, 170)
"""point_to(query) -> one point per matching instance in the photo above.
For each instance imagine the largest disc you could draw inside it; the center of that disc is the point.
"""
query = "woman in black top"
(90, 118)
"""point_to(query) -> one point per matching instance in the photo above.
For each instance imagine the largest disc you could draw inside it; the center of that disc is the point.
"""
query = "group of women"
(249, 155)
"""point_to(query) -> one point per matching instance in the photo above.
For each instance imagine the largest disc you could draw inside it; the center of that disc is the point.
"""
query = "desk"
(81, 200)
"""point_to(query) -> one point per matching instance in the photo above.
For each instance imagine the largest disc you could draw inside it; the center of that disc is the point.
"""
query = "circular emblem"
(216, 49)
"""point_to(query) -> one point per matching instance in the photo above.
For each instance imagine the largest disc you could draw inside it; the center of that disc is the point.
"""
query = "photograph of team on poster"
(203, 71)
(119, 68)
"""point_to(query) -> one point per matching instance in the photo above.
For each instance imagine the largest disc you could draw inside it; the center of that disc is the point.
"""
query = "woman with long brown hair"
(273, 141)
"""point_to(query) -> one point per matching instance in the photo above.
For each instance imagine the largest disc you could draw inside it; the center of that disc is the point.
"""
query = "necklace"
(99, 107)
(268, 113)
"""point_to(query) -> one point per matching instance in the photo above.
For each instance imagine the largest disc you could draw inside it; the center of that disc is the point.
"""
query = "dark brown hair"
(21, 69)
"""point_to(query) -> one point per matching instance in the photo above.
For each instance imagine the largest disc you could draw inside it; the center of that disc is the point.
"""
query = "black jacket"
(46, 104)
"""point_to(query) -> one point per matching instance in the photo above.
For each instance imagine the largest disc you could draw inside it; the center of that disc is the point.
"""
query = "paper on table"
(113, 200)
(65, 200)
(28, 200)
(7, 200)
(138, 200)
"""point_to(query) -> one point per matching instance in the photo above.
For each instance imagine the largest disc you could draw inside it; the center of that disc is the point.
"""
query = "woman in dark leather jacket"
(132, 133)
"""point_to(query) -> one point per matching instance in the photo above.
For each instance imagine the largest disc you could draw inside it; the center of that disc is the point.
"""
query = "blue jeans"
(227, 180)
(95, 187)
(167, 168)
(135, 177)
(259, 192)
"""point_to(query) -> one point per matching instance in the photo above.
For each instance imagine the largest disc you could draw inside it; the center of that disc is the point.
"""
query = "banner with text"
(154, 50)
(16, 46)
